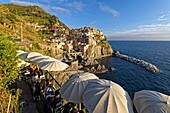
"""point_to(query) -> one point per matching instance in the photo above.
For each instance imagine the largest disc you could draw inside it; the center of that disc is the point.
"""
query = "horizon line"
(141, 40)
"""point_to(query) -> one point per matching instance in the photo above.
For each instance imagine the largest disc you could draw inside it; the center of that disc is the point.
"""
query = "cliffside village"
(73, 44)
(75, 40)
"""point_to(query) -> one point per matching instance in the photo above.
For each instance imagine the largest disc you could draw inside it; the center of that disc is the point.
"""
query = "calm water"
(134, 78)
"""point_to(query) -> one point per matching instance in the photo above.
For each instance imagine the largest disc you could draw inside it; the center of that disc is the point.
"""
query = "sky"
(118, 19)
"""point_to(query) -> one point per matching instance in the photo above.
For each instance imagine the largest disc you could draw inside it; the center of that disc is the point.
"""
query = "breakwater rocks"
(98, 68)
(142, 63)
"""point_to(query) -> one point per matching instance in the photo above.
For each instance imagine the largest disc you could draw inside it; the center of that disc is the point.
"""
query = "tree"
(8, 61)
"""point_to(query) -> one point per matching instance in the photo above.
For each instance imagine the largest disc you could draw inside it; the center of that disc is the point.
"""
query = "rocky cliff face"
(107, 51)
(99, 51)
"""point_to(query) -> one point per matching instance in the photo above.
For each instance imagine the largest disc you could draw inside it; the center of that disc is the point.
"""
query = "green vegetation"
(8, 74)
(35, 46)
(8, 61)
(34, 14)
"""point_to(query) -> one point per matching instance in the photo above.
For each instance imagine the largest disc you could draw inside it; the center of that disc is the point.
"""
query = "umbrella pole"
(54, 79)
(79, 106)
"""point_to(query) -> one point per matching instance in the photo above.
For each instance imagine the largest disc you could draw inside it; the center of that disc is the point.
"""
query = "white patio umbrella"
(29, 54)
(147, 101)
(23, 54)
(20, 51)
(37, 59)
(74, 88)
(52, 64)
(103, 96)
(33, 54)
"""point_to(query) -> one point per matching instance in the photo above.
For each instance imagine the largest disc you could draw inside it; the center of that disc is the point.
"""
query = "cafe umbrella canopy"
(22, 54)
(28, 54)
(46, 63)
(147, 101)
(74, 88)
(38, 59)
(107, 97)
(52, 64)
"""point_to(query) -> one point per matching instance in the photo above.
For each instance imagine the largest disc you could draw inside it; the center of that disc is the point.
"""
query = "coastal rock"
(112, 69)
(103, 67)
(99, 51)
(107, 50)
(93, 69)
(63, 76)
(94, 52)
(90, 61)
(99, 67)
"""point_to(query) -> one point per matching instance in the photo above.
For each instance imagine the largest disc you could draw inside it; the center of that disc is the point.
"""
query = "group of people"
(43, 90)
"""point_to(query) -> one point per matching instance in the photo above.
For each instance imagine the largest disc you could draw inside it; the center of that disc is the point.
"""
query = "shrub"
(8, 74)
(8, 61)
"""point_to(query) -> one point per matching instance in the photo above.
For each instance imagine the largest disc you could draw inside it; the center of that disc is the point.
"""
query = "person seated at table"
(46, 83)
(49, 97)
(50, 90)
(37, 92)
(33, 83)
(56, 103)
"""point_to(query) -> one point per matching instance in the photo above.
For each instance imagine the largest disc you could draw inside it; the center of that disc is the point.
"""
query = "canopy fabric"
(38, 59)
(28, 54)
(23, 54)
(20, 51)
(33, 54)
(52, 64)
(44, 62)
(74, 88)
(147, 101)
(106, 97)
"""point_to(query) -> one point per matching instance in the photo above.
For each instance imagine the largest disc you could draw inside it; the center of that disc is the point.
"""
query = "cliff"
(94, 42)
(99, 51)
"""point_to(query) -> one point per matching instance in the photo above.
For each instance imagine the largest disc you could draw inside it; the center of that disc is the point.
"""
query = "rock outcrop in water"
(142, 63)
(99, 68)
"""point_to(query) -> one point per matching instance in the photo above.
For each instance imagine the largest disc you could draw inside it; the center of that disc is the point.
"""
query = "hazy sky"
(118, 19)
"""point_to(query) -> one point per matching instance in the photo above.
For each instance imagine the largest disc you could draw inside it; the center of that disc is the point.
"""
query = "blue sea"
(134, 78)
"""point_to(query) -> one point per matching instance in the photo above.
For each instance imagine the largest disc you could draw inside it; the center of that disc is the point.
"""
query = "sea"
(134, 78)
